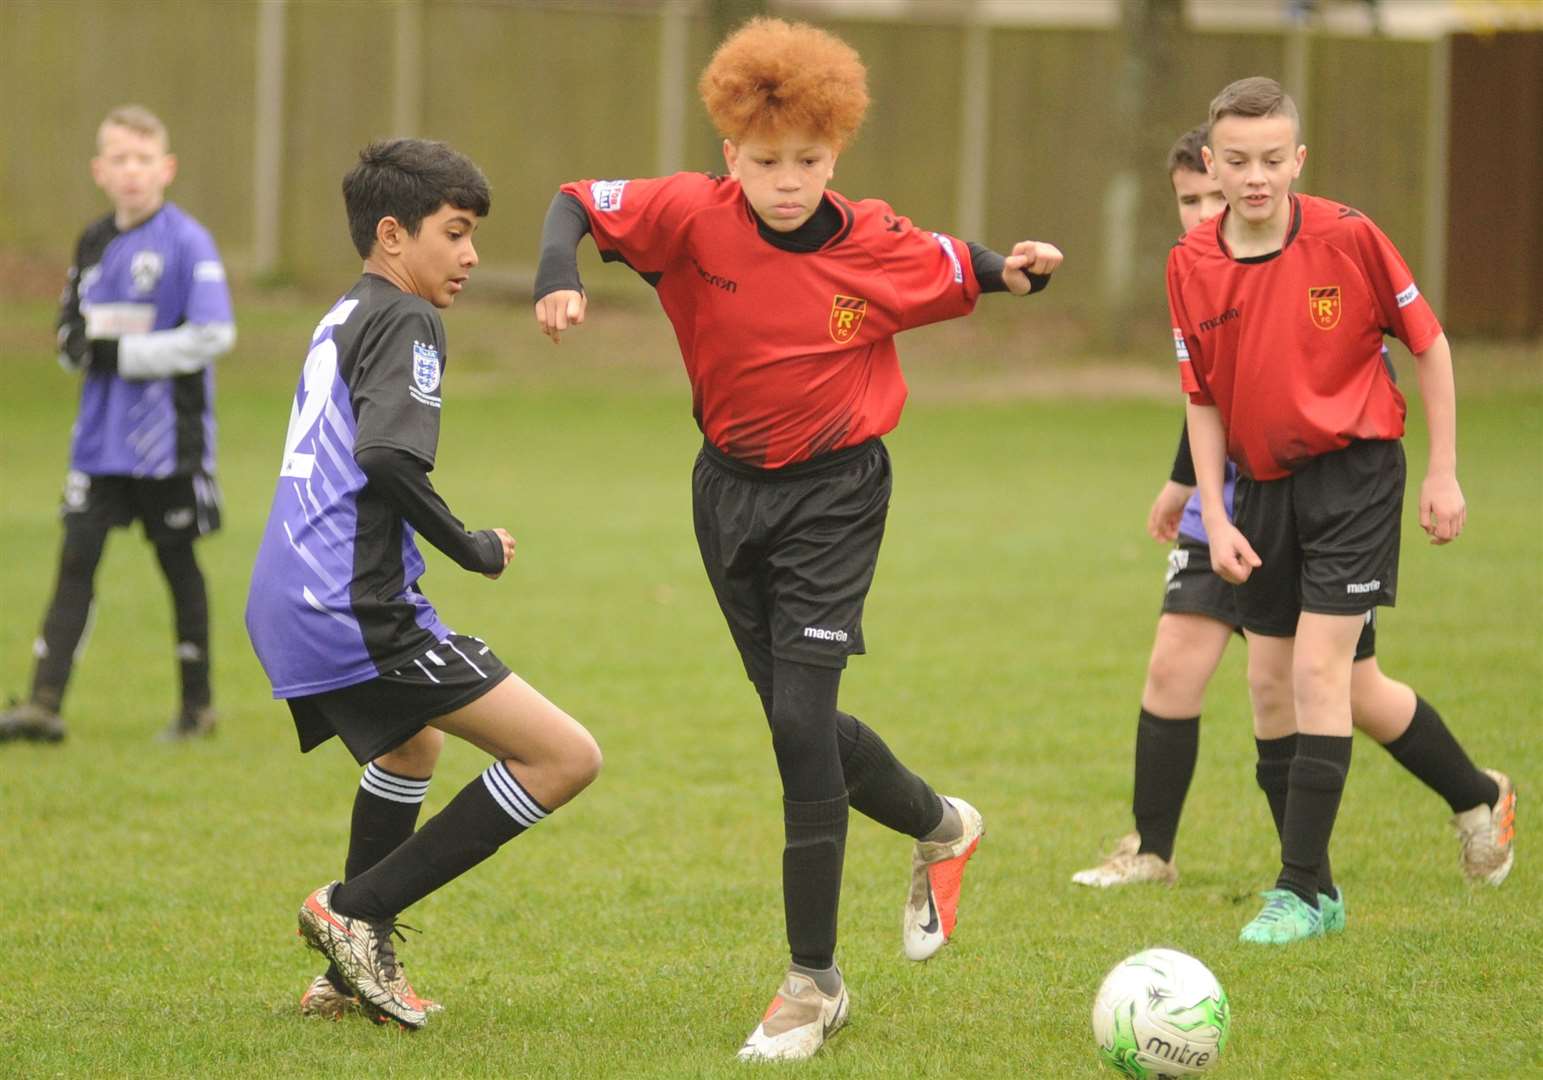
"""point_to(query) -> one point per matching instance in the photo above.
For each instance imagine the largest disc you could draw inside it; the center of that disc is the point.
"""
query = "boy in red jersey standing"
(1279, 308)
(785, 299)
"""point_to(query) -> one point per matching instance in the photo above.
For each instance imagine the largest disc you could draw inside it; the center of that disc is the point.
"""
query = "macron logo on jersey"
(606, 194)
(425, 374)
(1179, 347)
(1408, 296)
(953, 256)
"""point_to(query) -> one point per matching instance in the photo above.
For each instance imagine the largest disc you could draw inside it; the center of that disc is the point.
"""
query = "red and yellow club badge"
(1323, 306)
(846, 315)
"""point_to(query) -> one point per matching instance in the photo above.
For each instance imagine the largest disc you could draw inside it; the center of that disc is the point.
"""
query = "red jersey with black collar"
(1288, 346)
(790, 354)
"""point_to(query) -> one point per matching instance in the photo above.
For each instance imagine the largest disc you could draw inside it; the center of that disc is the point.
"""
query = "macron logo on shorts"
(1408, 296)
(606, 194)
(1364, 586)
(819, 633)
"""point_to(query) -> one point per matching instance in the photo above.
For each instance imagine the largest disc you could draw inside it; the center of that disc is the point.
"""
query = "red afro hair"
(772, 77)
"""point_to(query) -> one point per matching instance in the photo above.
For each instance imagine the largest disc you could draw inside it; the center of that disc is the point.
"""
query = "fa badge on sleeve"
(426, 372)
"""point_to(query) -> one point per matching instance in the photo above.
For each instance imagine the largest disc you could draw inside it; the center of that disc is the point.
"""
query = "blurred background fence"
(995, 119)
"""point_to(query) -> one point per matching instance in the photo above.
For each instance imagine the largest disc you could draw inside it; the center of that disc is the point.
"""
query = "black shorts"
(791, 552)
(173, 508)
(1193, 588)
(379, 715)
(1327, 536)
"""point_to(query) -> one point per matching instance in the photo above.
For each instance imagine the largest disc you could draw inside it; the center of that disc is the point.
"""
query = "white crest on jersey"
(145, 270)
(953, 256)
(1408, 296)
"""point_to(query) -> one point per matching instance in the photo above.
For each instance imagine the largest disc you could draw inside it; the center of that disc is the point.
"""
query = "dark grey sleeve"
(1183, 471)
(74, 348)
(402, 479)
(395, 383)
(566, 224)
(988, 266)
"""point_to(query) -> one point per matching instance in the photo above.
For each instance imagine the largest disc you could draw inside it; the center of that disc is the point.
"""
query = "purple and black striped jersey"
(162, 274)
(334, 598)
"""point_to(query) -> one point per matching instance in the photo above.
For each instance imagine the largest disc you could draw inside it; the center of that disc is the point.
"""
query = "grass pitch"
(147, 893)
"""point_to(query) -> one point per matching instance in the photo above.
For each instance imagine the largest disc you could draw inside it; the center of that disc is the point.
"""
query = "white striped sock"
(379, 782)
(514, 799)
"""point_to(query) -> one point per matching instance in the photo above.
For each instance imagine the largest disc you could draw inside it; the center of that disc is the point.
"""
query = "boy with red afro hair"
(786, 298)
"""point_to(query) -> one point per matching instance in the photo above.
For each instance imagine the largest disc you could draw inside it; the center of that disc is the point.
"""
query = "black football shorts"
(1191, 587)
(1327, 536)
(379, 715)
(791, 552)
(172, 508)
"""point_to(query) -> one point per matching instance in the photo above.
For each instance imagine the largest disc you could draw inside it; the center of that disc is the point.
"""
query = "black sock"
(190, 603)
(1165, 762)
(69, 610)
(1316, 783)
(486, 814)
(1274, 774)
(879, 786)
(811, 877)
(386, 810)
(1430, 752)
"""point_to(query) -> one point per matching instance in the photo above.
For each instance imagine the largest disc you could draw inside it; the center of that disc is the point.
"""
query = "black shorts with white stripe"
(379, 715)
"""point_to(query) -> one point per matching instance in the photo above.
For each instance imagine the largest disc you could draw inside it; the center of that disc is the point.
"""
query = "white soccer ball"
(1160, 1014)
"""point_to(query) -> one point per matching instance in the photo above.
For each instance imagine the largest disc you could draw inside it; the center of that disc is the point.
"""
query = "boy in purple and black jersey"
(144, 315)
(336, 616)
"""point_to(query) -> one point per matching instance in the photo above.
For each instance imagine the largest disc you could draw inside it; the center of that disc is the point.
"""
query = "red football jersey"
(790, 354)
(1288, 346)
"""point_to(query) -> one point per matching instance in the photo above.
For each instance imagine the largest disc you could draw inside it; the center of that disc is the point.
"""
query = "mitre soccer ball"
(1159, 1014)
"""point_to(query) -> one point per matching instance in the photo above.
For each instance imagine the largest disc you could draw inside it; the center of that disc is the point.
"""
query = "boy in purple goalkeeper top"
(144, 315)
(335, 614)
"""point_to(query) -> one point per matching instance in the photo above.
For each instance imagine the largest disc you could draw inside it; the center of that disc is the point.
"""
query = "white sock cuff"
(511, 797)
(385, 785)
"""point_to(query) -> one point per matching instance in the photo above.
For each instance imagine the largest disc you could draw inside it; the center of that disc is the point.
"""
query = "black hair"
(409, 179)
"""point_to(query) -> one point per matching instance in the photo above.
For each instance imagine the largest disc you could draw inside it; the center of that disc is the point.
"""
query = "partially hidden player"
(1279, 308)
(144, 315)
(785, 299)
(1199, 617)
(335, 612)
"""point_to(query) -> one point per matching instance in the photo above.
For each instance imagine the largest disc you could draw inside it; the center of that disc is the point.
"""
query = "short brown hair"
(136, 118)
(1256, 96)
(772, 77)
(1186, 152)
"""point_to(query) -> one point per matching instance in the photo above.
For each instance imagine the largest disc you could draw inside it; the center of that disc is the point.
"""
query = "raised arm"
(559, 293)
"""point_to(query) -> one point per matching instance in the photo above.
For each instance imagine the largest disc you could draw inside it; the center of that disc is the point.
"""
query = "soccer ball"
(1160, 1014)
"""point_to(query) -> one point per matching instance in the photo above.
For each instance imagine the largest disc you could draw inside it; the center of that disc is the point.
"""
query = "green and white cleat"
(1126, 865)
(1286, 917)
(1332, 908)
(797, 1023)
(1488, 834)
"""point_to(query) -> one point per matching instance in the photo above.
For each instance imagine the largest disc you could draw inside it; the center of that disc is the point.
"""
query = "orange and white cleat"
(324, 1001)
(798, 1021)
(937, 871)
(364, 956)
(1488, 834)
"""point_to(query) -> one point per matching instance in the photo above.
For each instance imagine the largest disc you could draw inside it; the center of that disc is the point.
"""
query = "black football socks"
(816, 834)
(1429, 750)
(190, 604)
(883, 789)
(1315, 785)
(486, 814)
(1165, 762)
(1273, 773)
(386, 810)
(69, 610)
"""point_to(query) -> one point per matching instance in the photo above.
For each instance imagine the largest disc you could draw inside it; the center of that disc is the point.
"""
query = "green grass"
(147, 893)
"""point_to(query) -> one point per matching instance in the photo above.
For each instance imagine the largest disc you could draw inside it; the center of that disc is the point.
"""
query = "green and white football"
(1160, 1014)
